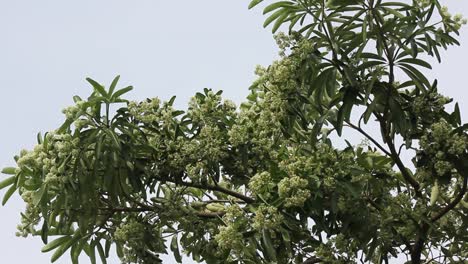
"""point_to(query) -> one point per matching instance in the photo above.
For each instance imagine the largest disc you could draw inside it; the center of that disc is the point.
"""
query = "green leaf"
(175, 248)
(254, 3)
(113, 84)
(44, 231)
(55, 243)
(91, 251)
(101, 252)
(65, 246)
(416, 61)
(368, 64)
(76, 251)
(415, 75)
(121, 92)
(276, 5)
(270, 250)
(455, 114)
(97, 87)
(279, 22)
(394, 12)
(9, 170)
(8, 194)
(7, 182)
(273, 16)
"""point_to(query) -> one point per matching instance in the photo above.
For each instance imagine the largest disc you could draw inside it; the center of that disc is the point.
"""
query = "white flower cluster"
(261, 183)
(437, 142)
(30, 217)
(456, 21)
(49, 160)
(147, 111)
(74, 111)
(294, 191)
(267, 217)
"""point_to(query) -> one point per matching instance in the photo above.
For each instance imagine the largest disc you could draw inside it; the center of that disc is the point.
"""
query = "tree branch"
(215, 188)
(453, 203)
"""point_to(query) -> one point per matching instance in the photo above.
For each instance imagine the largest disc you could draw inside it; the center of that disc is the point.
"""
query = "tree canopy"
(266, 182)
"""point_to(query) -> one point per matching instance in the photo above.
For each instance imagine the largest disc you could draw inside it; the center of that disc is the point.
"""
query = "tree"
(267, 182)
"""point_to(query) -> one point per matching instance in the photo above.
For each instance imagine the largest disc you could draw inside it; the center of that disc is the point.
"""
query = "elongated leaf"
(113, 84)
(273, 17)
(270, 250)
(101, 252)
(75, 252)
(9, 170)
(7, 182)
(175, 249)
(415, 74)
(368, 64)
(65, 246)
(279, 22)
(97, 87)
(8, 194)
(416, 61)
(254, 3)
(55, 243)
(276, 5)
(121, 92)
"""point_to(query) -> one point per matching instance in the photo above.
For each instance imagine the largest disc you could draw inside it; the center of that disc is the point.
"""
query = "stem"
(215, 188)
(368, 137)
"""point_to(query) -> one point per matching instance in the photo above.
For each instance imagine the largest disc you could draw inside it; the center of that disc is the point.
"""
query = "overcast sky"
(162, 48)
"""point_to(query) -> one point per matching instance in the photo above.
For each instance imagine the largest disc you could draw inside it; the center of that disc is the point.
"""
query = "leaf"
(65, 246)
(37, 196)
(279, 22)
(9, 170)
(8, 194)
(7, 182)
(415, 75)
(276, 5)
(270, 250)
(368, 55)
(97, 87)
(121, 92)
(76, 251)
(253, 3)
(44, 231)
(91, 251)
(55, 243)
(455, 114)
(113, 84)
(272, 17)
(101, 252)
(368, 64)
(416, 61)
(175, 248)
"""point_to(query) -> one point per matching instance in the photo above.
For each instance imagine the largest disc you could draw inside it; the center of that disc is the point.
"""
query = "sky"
(162, 48)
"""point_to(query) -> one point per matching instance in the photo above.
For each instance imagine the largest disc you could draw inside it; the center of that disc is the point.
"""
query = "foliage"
(264, 183)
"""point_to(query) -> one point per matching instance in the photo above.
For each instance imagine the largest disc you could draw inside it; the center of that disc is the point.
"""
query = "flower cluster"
(267, 217)
(294, 191)
(437, 146)
(30, 218)
(147, 111)
(50, 159)
(260, 183)
(456, 21)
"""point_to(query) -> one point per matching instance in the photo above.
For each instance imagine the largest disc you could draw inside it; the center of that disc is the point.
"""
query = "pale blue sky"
(162, 48)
